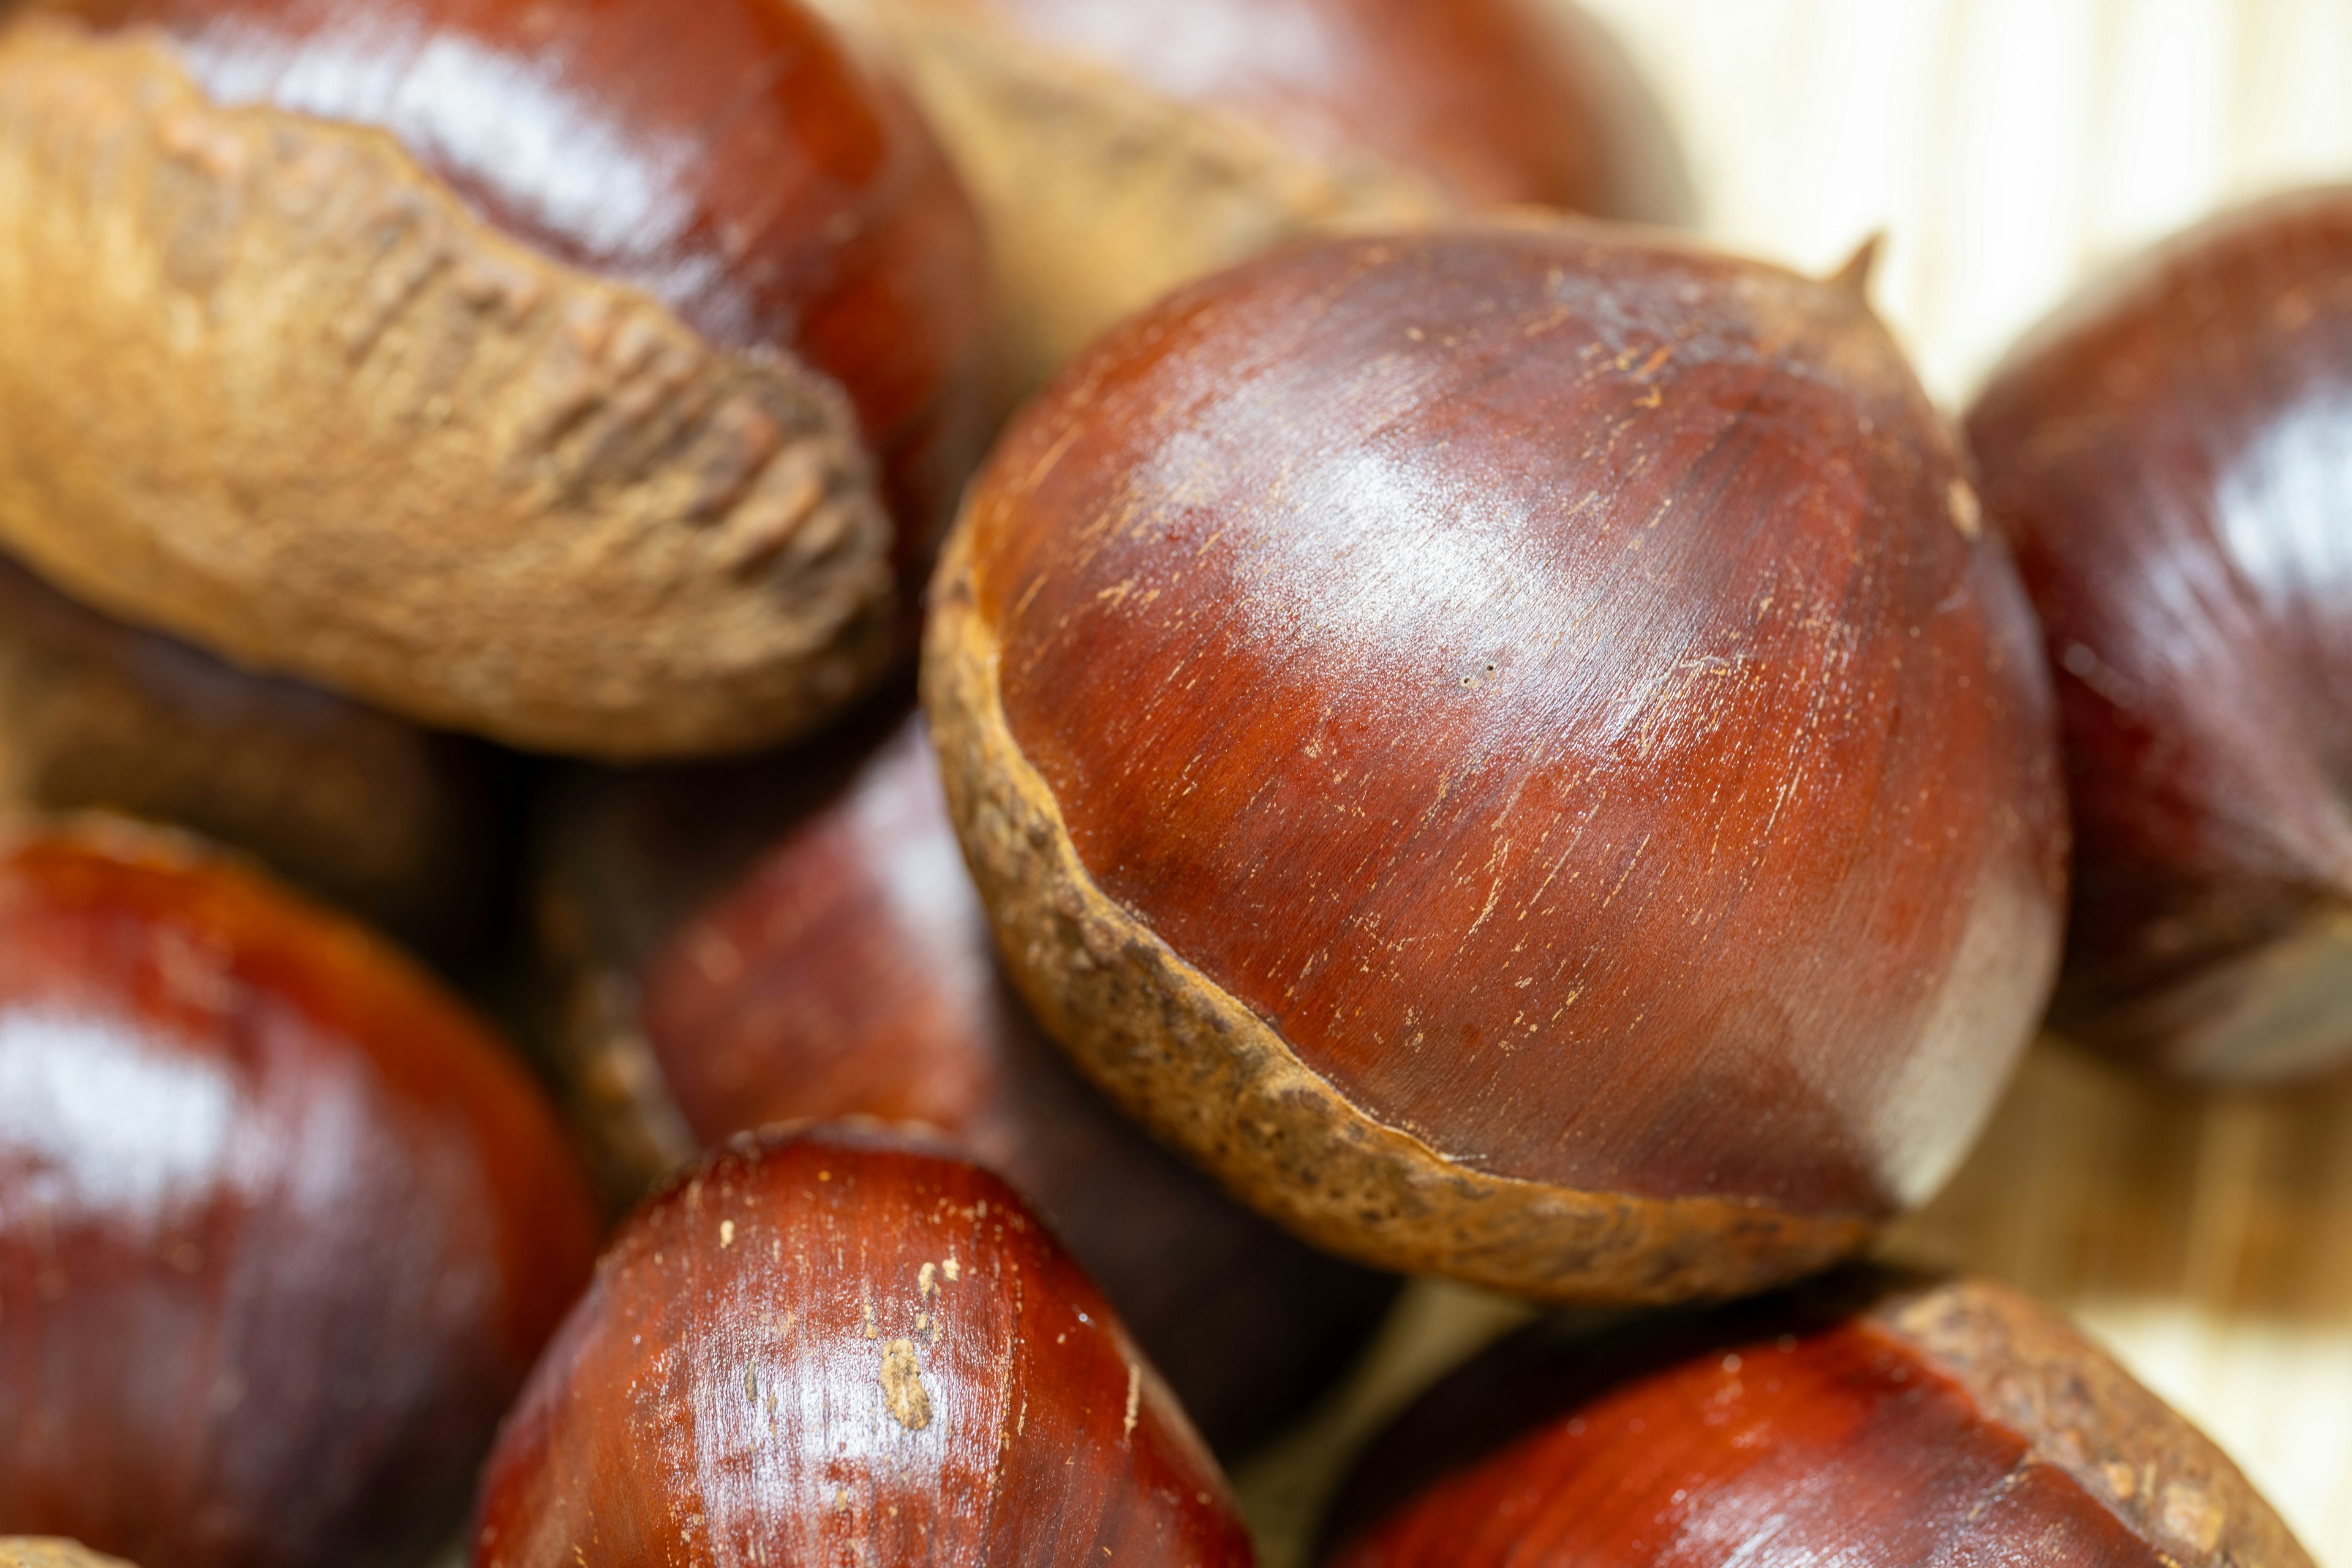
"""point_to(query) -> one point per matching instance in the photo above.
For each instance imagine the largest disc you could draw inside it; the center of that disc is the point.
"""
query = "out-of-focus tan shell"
(52, 1552)
(1099, 197)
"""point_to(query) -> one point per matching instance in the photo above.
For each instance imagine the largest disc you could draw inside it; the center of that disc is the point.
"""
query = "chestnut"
(1871, 1420)
(1511, 748)
(840, 1348)
(401, 826)
(281, 1227)
(797, 938)
(1118, 150)
(541, 372)
(2167, 457)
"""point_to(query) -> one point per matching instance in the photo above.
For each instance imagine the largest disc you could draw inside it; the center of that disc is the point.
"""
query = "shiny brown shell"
(282, 1229)
(2168, 456)
(797, 938)
(1512, 750)
(1868, 1421)
(842, 1348)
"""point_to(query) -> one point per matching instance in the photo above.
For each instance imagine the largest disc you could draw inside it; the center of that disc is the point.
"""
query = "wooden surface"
(2009, 149)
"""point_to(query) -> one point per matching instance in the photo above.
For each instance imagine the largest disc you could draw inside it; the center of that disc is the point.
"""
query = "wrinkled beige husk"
(2028, 1369)
(1099, 196)
(265, 384)
(1216, 1082)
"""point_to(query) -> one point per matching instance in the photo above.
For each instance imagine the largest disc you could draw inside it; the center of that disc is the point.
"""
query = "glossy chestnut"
(282, 1229)
(1119, 150)
(797, 938)
(462, 355)
(1867, 1421)
(2168, 455)
(1512, 749)
(840, 1348)
(398, 825)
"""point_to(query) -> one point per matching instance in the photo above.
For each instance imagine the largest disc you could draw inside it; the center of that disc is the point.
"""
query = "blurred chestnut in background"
(401, 826)
(281, 1227)
(1120, 150)
(797, 938)
(838, 1349)
(2171, 458)
(537, 370)
(1512, 749)
(1866, 1420)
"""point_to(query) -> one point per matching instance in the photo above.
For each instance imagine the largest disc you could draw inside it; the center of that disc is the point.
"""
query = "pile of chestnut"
(1454, 739)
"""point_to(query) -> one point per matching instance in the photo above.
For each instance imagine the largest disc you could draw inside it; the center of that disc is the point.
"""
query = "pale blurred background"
(2010, 149)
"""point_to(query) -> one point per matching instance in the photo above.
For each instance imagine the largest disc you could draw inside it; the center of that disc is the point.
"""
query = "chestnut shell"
(842, 1348)
(2169, 457)
(1512, 748)
(1866, 1420)
(811, 212)
(401, 826)
(1498, 103)
(596, 378)
(281, 1227)
(797, 938)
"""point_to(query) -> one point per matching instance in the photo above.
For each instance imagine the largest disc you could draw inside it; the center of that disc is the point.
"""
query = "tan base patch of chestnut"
(606, 476)
(36, 1551)
(575, 431)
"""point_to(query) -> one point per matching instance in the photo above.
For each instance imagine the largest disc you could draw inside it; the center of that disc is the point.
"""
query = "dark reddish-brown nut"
(1868, 1421)
(396, 824)
(281, 1227)
(1120, 150)
(762, 943)
(841, 1349)
(2167, 456)
(1512, 749)
(593, 377)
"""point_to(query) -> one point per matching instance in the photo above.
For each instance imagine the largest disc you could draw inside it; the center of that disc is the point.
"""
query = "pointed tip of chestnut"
(1854, 277)
(1510, 717)
(840, 1343)
(1871, 1418)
